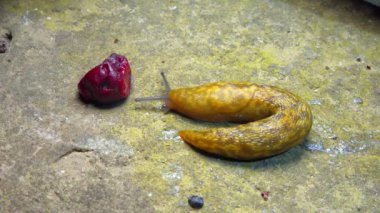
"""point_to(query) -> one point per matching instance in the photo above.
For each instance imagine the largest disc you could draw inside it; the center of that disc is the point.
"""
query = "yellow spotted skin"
(272, 120)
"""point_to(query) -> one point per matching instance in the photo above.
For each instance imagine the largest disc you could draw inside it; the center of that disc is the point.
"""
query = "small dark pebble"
(3, 47)
(265, 195)
(195, 201)
(5, 40)
(368, 67)
(9, 36)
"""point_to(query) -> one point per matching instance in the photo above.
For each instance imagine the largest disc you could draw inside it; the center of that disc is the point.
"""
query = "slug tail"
(255, 140)
(199, 140)
(222, 142)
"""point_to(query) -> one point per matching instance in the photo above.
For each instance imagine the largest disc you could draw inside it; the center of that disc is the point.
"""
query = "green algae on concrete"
(57, 153)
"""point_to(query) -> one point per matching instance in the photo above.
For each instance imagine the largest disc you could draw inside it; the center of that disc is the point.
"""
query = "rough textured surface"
(58, 154)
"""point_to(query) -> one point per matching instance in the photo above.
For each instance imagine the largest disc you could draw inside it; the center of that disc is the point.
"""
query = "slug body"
(272, 120)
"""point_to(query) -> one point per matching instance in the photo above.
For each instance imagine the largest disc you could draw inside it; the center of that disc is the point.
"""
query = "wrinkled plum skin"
(108, 82)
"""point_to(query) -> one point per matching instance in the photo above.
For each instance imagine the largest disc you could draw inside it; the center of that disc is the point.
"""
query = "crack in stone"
(70, 151)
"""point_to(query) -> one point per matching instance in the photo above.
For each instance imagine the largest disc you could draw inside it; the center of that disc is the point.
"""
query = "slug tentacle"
(272, 119)
(159, 98)
(167, 85)
(156, 98)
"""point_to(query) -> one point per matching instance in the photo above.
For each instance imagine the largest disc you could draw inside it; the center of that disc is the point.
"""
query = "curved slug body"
(273, 120)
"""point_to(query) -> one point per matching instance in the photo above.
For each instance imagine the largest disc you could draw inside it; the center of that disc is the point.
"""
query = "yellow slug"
(273, 120)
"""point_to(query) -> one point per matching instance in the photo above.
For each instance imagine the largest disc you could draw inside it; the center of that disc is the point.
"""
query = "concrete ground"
(58, 154)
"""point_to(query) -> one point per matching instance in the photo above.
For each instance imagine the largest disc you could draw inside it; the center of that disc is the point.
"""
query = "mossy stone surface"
(59, 154)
